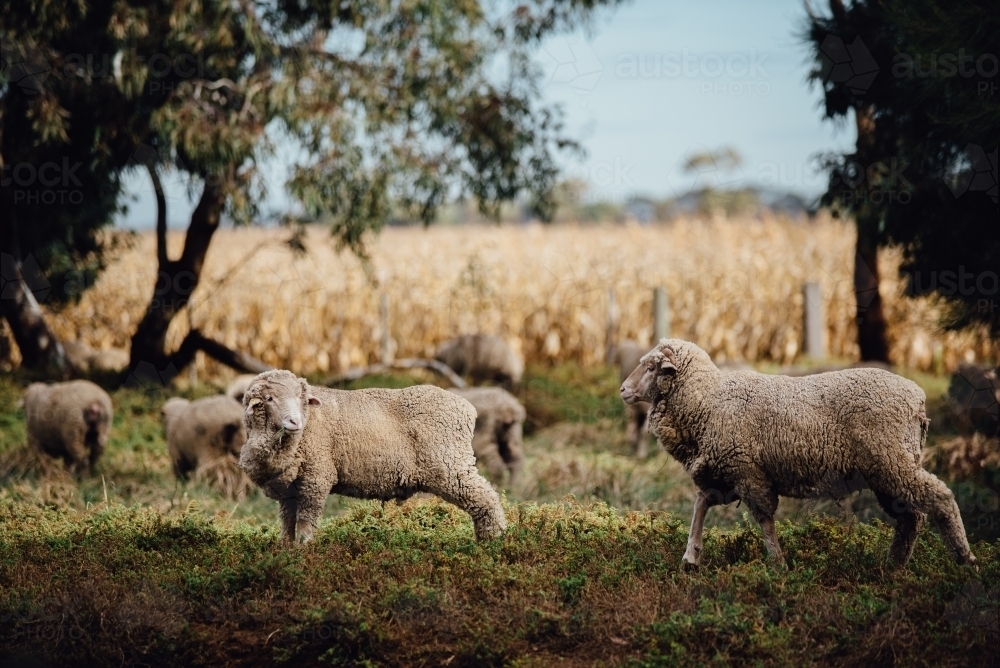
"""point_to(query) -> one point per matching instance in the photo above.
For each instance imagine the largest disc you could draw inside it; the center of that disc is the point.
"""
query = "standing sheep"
(482, 357)
(626, 357)
(201, 432)
(88, 360)
(306, 442)
(68, 420)
(751, 436)
(499, 425)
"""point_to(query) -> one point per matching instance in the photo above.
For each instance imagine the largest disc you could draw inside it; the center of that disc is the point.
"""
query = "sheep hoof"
(689, 566)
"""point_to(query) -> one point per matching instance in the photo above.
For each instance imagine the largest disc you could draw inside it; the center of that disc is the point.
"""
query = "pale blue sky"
(653, 82)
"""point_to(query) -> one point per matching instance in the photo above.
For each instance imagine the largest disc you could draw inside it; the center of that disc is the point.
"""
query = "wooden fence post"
(814, 325)
(386, 338)
(661, 315)
(609, 334)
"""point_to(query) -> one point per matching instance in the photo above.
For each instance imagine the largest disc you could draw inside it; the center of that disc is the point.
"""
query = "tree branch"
(195, 341)
(161, 216)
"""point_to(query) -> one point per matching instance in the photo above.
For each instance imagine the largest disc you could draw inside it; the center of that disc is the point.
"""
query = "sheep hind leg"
(472, 493)
(925, 493)
(908, 523)
(763, 503)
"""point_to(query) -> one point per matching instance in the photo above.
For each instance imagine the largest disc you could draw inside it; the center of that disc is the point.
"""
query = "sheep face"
(276, 404)
(654, 375)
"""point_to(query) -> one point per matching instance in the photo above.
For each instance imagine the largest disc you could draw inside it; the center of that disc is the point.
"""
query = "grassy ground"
(130, 566)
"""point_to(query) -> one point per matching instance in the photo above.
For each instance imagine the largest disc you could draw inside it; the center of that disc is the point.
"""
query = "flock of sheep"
(741, 436)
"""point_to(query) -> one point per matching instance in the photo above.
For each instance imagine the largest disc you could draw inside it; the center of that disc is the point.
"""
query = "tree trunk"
(870, 316)
(151, 363)
(40, 350)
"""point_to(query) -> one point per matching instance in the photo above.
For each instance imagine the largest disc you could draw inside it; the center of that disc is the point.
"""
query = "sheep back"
(201, 431)
(385, 443)
(69, 420)
(497, 442)
(482, 357)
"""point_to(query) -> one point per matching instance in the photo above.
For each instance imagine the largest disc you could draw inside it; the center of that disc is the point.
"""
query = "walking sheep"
(68, 420)
(306, 442)
(482, 357)
(201, 432)
(499, 425)
(626, 357)
(751, 436)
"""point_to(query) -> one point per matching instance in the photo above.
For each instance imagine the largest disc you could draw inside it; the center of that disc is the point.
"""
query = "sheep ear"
(253, 402)
(313, 401)
(668, 367)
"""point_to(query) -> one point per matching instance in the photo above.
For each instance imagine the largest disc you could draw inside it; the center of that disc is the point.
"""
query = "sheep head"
(275, 409)
(654, 375)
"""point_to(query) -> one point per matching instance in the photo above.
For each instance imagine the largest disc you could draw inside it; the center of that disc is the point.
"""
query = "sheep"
(499, 424)
(238, 387)
(85, 359)
(305, 442)
(202, 431)
(626, 356)
(68, 420)
(752, 437)
(482, 357)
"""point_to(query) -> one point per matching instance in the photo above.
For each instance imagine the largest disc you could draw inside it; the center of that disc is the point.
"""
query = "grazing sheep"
(68, 420)
(202, 431)
(499, 424)
(751, 436)
(626, 357)
(306, 442)
(974, 395)
(239, 386)
(482, 357)
(86, 359)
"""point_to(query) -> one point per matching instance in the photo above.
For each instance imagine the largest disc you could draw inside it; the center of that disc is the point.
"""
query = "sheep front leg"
(311, 500)
(287, 511)
(763, 503)
(692, 555)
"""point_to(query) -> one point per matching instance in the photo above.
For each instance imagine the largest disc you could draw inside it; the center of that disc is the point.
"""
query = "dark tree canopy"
(390, 104)
(921, 77)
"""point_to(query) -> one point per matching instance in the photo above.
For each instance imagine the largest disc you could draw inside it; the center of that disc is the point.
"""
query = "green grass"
(129, 567)
(407, 585)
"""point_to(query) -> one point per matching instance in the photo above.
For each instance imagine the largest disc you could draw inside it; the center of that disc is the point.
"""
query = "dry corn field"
(734, 287)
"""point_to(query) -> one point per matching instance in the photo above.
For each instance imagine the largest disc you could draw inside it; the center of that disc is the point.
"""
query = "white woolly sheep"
(306, 442)
(752, 437)
(626, 356)
(68, 420)
(202, 431)
(238, 387)
(499, 425)
(85, 359)
(483, 358)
